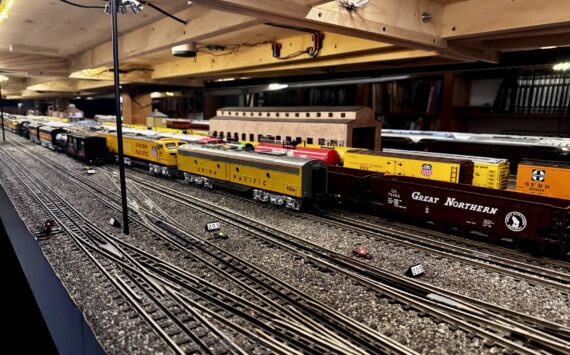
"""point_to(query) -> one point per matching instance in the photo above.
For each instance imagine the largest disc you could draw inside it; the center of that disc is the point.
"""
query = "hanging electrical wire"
(136, 6)
(230, 49)
(352, 5)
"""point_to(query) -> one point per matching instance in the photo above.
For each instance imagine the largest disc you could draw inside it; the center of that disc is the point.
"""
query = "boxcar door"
(397, 167)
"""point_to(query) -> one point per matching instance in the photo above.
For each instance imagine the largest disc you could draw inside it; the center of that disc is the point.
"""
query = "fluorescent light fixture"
(169, 93)
(563, 66)
(5, 6)
(3, 78)
(548, 47)
(276, 86)
(155, 95)
(224, 79)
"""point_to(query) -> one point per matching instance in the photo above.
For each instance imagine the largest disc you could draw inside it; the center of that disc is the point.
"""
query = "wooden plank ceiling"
(49, 47)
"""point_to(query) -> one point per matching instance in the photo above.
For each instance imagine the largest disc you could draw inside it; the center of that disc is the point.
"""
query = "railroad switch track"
(549, 335)
(500, 333)
(376, 342)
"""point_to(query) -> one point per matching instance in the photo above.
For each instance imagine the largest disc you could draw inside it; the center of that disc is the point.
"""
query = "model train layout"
(436, 189)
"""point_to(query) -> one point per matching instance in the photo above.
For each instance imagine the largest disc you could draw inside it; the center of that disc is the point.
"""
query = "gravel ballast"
(419, 332)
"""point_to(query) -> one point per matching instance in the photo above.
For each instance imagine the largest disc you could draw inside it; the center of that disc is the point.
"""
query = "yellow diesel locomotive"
(158, 154)
(280, 180)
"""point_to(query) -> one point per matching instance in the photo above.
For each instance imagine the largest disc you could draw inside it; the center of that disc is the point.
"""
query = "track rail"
(424, 298)
(489, 326)
(375, 341)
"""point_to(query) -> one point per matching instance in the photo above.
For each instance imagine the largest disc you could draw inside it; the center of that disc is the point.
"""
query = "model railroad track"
(536, 270)
(549, 272)
(261, 286)
(515, 331)
(503, 330)
(518, 270)
(154, 301)
(479, 246)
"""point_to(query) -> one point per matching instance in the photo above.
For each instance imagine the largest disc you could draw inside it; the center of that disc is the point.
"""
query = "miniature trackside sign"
(213, 226)
(415, 270)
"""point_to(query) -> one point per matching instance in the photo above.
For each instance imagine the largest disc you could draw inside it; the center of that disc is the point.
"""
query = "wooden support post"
(211, 104)
(136, 107)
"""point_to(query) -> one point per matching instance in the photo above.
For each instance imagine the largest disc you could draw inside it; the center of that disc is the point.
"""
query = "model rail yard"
(389, 182)
(248, 309)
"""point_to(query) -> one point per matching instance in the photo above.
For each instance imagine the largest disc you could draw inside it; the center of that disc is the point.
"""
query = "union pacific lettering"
(141, 149)
(206, 171)
(249, 180)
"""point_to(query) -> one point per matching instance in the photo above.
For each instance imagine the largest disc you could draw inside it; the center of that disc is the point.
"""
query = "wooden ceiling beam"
(391, 21)
(15, 62)
(334, 46)
(477, 18)
(105, 73)
(203, 23)
(64, 85)
(398, 22)
(369, 58)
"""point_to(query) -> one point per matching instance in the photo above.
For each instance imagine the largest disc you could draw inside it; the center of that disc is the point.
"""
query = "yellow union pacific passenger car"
(280, 180)
(158, 154)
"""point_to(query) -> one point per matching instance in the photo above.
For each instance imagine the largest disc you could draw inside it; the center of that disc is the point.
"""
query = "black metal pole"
(119, 121)
(2, 112)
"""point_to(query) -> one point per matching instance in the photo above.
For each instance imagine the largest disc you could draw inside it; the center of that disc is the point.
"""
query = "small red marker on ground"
(361, 253)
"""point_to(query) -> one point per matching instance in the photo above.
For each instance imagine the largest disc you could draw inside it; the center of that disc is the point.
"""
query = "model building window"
(215, 134)
(236, 136)
(330, 114)
(251, 137)
(288, 139)
(243, 136)
(259, 137)
(222, 135)
(278, 138)
(309, 140)
(299, 139)
(321, 141)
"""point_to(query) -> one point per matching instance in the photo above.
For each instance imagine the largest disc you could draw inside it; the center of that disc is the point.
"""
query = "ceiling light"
(548, 47)
(135, 5)
(276, 86)
(3, 78)
(187, 50)
(5, 6)
(564, 66)
(169, 93)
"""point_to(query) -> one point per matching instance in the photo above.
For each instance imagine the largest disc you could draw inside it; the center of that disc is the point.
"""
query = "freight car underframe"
(153, 168)
(259, 195)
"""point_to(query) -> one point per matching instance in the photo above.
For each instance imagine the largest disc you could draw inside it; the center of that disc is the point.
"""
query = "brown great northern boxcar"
(494, 213)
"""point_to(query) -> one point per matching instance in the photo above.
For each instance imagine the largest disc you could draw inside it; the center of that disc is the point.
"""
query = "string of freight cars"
(294, 183)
